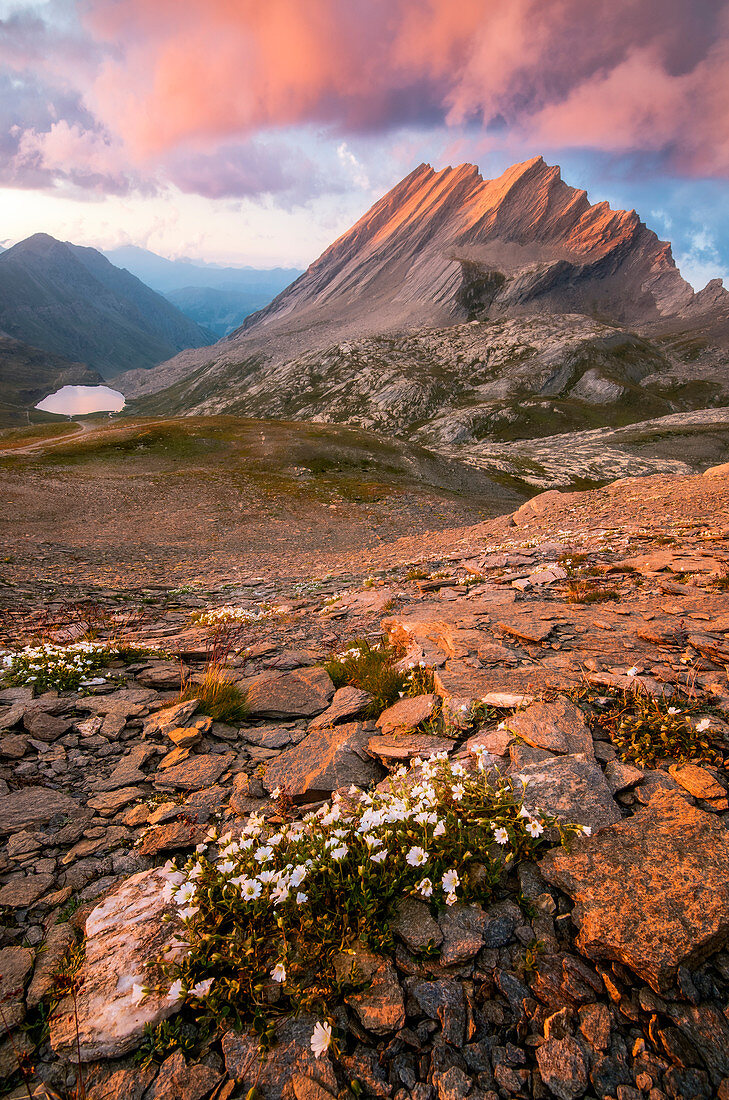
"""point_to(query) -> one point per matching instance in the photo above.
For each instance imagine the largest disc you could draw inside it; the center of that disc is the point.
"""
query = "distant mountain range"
(72, 302)
(460, 309)
(217, 298)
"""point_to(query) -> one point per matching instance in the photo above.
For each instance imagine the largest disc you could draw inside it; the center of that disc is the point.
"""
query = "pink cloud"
(620, 75)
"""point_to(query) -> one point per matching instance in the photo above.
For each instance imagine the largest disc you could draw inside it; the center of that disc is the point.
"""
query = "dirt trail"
(92, 429)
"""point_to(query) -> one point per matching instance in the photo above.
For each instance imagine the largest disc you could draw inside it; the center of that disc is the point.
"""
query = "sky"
(235, 131)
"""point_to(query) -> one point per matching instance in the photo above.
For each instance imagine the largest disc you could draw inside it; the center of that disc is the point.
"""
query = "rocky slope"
(71, 301)
(495, 380)
(600, 971)
(27, 375)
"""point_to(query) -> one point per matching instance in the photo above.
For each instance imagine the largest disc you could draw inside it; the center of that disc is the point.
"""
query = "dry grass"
(217, 695)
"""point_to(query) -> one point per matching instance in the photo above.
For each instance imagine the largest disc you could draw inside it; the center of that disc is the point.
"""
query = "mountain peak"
(529, 241)
(39, 244)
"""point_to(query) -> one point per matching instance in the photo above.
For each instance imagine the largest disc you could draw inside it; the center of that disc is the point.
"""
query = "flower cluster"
(63, 667)
(272, 905)
(239, 616)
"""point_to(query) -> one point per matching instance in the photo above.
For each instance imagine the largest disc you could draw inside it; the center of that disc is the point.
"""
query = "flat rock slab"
(407, 713)
(697, 781)
(572, 788)
(299, 694)
(21, 893)
(164, 721)
(407, 745)
(347, 702)
(651, 891)
(562, 1067)
(380, 1007)
(164, 674)
(15, 965)
(558, 727)
(172, 837)
(415, 925)
(272, 1074)
(177, 1079)
(525, 628)
(324, 761)
(195, 773)
(122, 933)
(33, 806)
(461, 681)
(112, 801)
(59, 939)
(128, 771)
(44, 726)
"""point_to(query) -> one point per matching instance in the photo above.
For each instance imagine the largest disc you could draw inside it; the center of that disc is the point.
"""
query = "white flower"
(703, 725)
(200, 848)
(276, 793)
(425, 887)
(673, 710)
(185, 893)
(297, 876)
(175, 992)
(458, 791)
(633, 671)
(263, 854)
(320, 1039)
(250, 888)
(535, 828)
(440, 829)
(280, 893)
(379, 856)
(450, 899)
(587, 830)
(266, 877)
(139, 992)
(201, 989)
(279, 973)
(339, 853)
(458, 769)
(501, 836)
(416, 857)
(450, 880)
(226, 867)
(301, 897)
(188, 911)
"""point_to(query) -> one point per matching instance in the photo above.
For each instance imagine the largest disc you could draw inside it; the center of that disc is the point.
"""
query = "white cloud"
(356, 170)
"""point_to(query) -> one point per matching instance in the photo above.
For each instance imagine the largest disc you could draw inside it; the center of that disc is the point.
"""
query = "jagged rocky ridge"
(629, 993)
(373, 331)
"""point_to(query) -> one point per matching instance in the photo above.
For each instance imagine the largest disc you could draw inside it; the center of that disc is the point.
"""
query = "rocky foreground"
(600, 970)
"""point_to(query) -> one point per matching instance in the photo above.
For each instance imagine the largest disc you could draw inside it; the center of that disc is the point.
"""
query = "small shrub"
(416, 574)
(370, 668)
(648, 731)
(278, 905)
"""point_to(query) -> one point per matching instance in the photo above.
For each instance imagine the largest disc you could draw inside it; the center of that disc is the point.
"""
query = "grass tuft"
(582, 591)
(217, 695)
